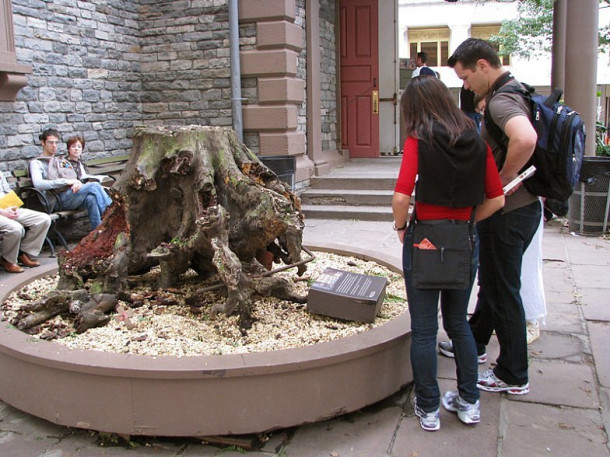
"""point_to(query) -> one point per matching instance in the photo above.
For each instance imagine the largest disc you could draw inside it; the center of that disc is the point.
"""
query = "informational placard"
(346, 295)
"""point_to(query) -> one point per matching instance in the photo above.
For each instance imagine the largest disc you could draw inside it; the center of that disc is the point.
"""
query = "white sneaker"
(533, 331)
(431, 421)
(487, 380)
(468, 413)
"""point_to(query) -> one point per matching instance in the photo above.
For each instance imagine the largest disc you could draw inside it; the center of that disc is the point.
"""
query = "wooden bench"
(111, 166)
(35, 199)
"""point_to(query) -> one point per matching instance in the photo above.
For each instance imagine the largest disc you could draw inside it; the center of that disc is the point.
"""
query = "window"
(434, 42)
(484, 32)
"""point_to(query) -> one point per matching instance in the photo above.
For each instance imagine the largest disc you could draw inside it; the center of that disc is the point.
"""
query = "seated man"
(55, 173)
(19, 244)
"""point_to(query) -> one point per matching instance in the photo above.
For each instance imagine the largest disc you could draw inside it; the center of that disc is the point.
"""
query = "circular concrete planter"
(203, 395)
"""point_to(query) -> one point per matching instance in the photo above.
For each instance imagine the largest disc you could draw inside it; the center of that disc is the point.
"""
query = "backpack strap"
(554, 97)
(500, 87)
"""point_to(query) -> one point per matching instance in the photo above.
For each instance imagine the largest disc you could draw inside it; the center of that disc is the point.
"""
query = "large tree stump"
(192, 197)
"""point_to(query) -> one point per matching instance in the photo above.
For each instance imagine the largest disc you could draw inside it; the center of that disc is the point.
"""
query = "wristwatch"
(398, 229)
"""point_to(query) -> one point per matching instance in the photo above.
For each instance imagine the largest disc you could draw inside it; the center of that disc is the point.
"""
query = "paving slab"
(581, 249)
(454, 438)
(587, 250)
(554, 252)
(604, 395)
(558, 346)
(154, 449)
(536, 430)
(563, 317)
(553, 295)
(366, 433)
(561, 384)
(595, 303)
(591, 276)
(562, 322)
(560, 278)
(598, 333)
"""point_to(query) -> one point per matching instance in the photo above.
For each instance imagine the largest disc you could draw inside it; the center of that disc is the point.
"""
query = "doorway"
(359, 60)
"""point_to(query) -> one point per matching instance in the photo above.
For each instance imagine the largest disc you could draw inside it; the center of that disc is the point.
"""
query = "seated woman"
(56, 174)
(76, 146)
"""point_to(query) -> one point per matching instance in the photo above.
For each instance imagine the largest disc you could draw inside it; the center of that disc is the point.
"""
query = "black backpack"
(560, 146)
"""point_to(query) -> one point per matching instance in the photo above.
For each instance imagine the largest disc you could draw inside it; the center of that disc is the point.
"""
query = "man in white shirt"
(420, 62)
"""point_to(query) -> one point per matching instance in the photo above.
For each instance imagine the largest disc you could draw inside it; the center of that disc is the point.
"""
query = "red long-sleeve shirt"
(425, 211)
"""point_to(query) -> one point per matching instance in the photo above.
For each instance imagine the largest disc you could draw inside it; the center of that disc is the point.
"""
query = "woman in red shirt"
(455, 172)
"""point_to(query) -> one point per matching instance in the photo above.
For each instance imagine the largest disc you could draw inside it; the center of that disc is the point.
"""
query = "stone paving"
(565, 414)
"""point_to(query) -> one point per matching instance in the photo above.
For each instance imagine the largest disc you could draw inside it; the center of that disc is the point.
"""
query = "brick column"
(273, 62)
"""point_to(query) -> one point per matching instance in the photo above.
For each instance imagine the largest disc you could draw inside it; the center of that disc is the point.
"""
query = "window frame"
(439, 35)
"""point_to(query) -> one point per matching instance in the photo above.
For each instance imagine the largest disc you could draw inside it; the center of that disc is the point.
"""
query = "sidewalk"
(565, 414)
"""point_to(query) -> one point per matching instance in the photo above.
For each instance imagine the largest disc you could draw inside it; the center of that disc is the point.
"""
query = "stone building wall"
(300, 20)
(249, 85)
(328, 74)
(101, 68)
(185, 62)
(86, 77)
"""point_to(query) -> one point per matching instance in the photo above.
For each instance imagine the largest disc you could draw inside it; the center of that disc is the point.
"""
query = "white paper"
(522, 176)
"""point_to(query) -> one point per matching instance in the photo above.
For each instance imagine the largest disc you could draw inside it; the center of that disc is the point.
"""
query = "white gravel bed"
(155, 329)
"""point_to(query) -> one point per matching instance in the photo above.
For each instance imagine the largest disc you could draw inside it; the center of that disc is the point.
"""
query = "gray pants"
(16, 238)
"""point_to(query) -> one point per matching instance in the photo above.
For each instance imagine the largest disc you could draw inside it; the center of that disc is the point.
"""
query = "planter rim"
(19, 345)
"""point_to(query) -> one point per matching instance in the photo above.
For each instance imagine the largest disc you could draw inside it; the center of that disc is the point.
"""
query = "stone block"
(281, 90)
(285, 143)
(280, 117)
(280, 34)
(267, 10)
(268, 63)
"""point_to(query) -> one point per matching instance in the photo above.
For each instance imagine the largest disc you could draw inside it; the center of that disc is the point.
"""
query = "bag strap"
(471, 223)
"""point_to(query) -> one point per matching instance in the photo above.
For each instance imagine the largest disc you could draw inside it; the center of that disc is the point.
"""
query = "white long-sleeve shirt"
(39, 172)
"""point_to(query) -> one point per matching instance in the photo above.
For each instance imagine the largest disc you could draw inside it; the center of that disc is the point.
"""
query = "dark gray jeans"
(503, 240)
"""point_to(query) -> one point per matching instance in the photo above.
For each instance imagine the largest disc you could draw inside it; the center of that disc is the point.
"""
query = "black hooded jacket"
(452, 176)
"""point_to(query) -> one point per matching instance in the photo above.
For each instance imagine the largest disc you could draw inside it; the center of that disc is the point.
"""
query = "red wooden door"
(359, 77)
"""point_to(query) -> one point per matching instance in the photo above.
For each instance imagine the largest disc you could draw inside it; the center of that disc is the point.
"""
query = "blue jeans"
(92, 197)
(423, 308)
(504, 238)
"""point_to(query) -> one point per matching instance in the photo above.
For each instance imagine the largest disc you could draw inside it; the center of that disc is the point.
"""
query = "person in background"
(56, 176)
(23, 233)
(444, 149)
(427, 71)
(532, 286)
(479, 107)
(506, 235)
(76, 146)
(468, 105)
(420, 63)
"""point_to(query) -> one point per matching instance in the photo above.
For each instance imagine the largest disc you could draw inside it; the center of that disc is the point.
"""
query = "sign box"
(346, 295)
